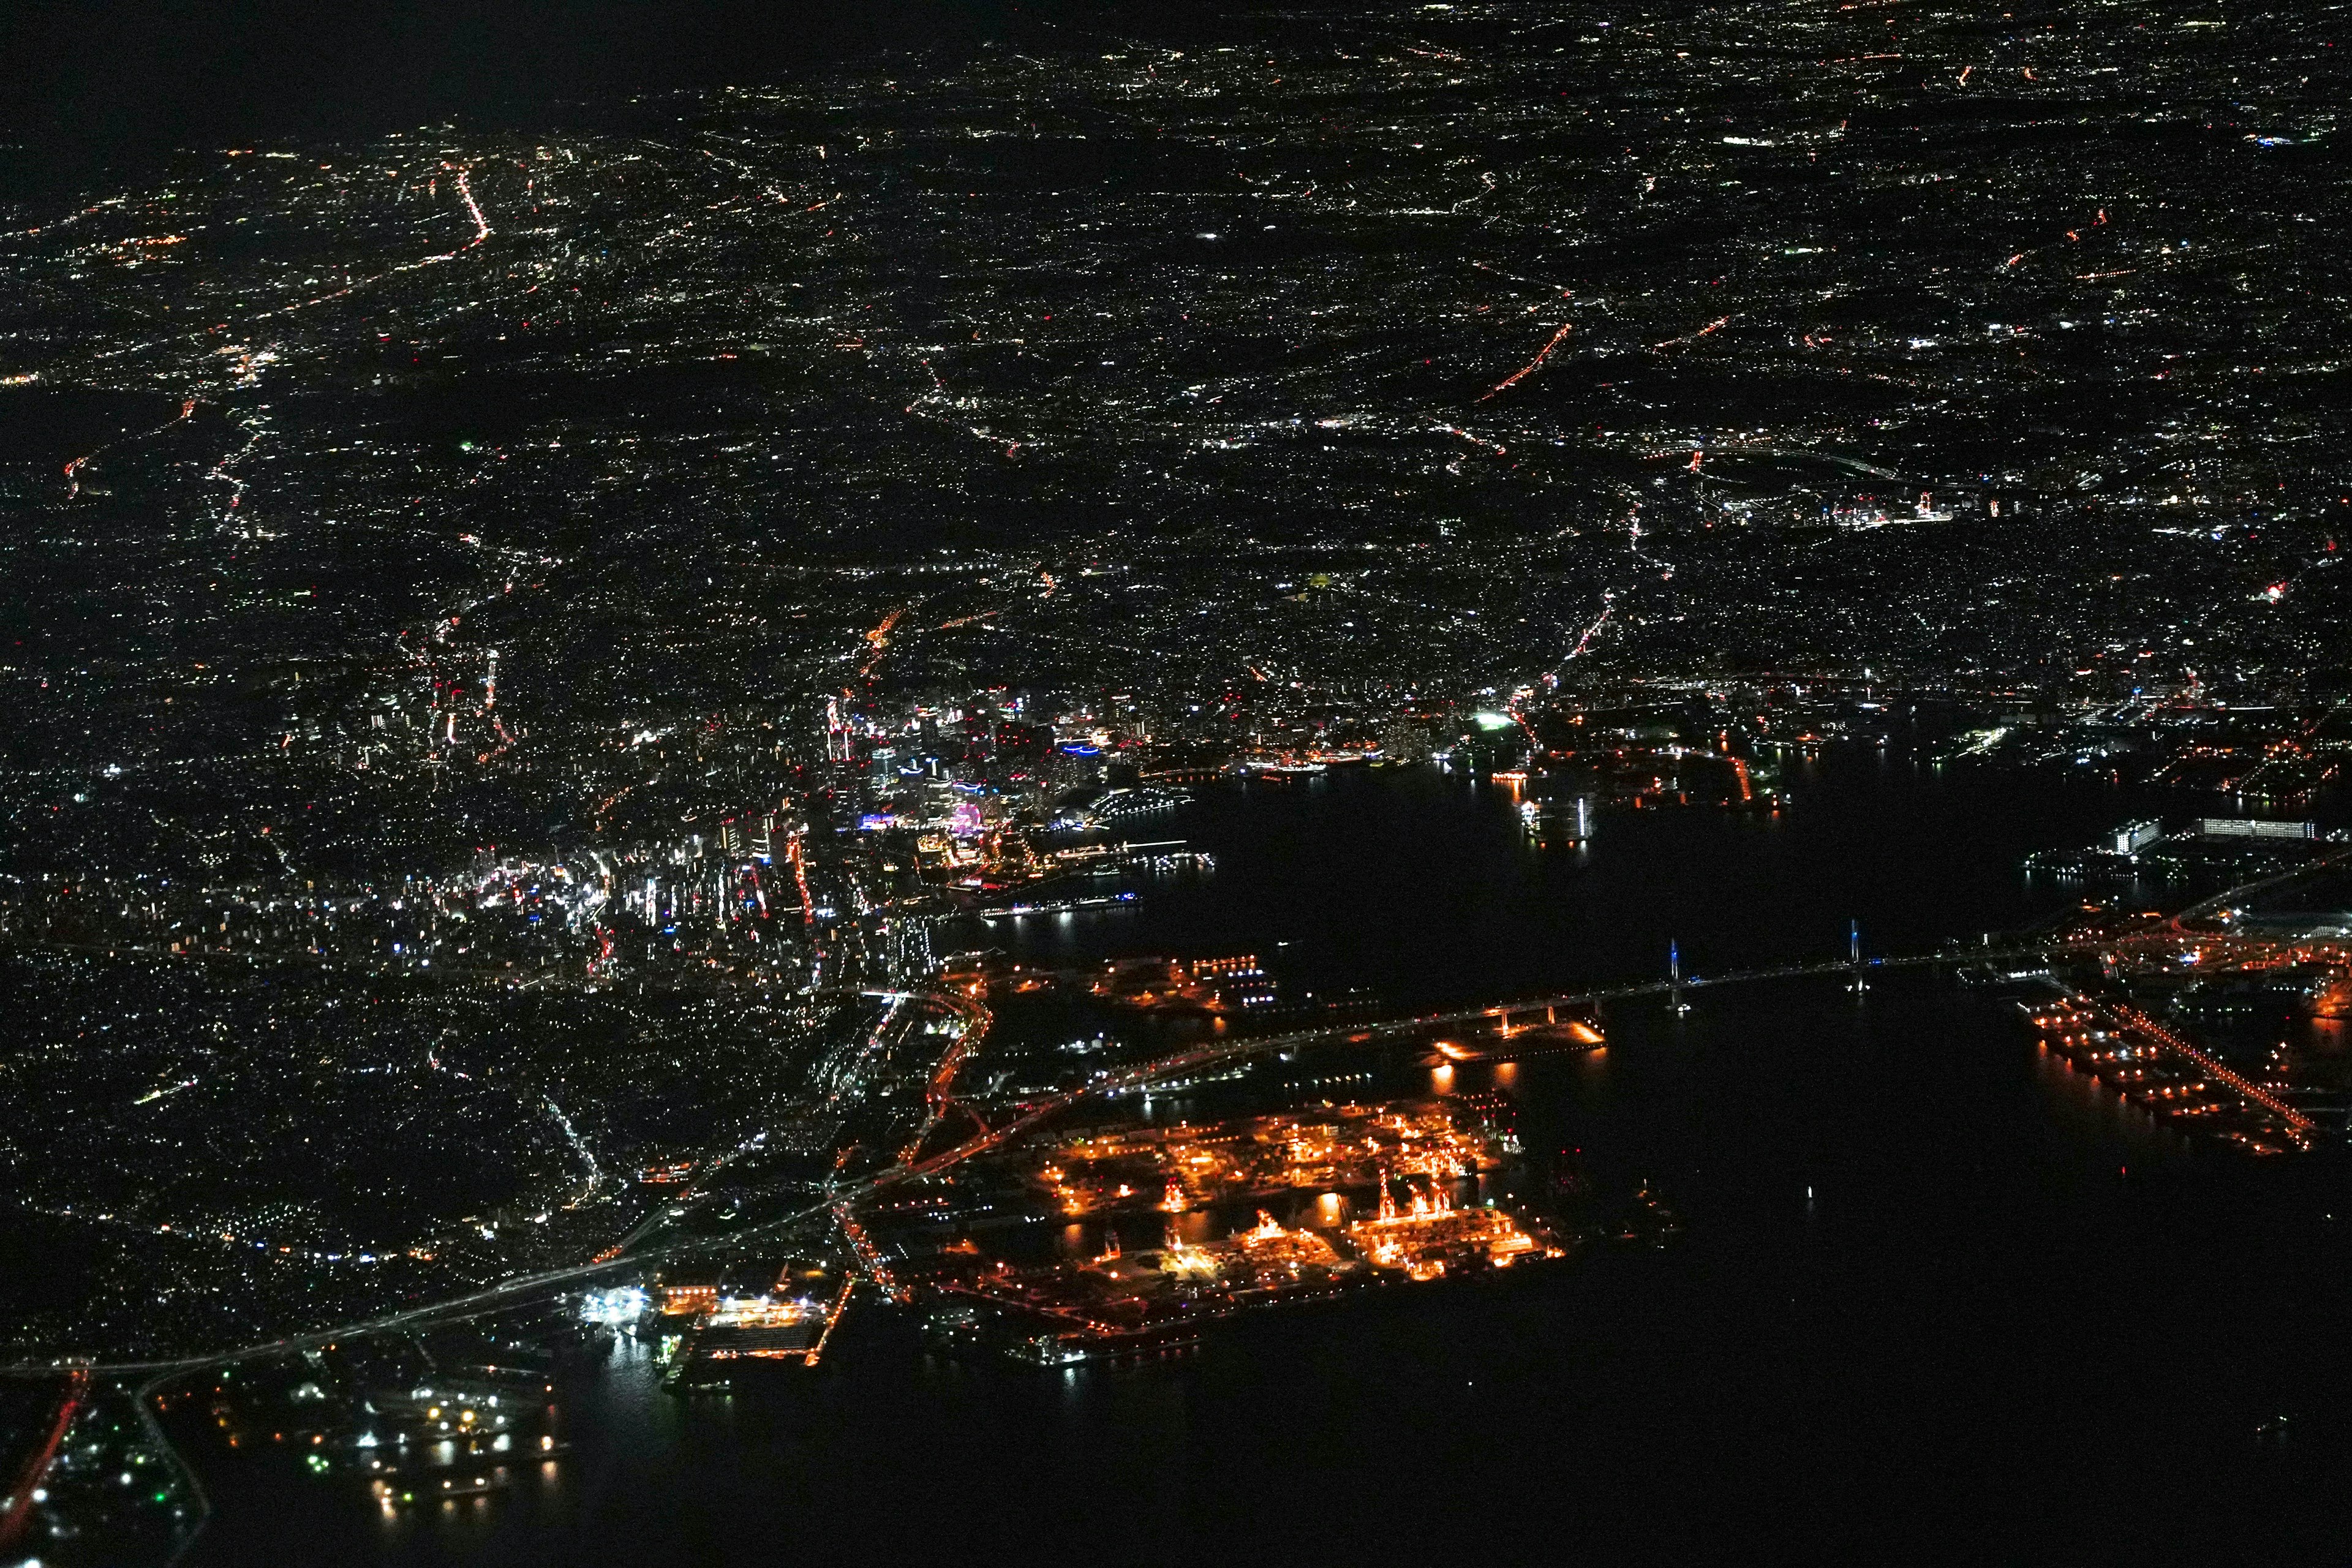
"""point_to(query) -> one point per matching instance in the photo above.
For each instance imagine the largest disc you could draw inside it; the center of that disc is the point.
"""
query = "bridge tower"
(1854, 957)
(1674, 978)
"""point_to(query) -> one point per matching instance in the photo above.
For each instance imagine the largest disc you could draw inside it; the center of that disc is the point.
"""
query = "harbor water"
(1937, 1297)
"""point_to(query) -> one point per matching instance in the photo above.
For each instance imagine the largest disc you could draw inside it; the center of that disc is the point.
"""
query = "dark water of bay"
(1419, 884)
(1937, 1299)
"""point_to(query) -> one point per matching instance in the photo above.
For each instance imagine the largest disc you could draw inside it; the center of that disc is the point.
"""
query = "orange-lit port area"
(1402, 1192)
(787, 1323)
(1511, 1041)
(2316, 970)
(1430, 1234)
(1120, 1304)
(1120, 1301)
(2151, 1066)
(686, 1298)
(1179, 1168)
(761, 1329)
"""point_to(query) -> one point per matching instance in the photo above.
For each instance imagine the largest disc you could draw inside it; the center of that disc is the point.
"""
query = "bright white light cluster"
(622, 1304)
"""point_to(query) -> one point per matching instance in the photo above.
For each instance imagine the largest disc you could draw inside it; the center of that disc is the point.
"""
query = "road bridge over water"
(1028, 1118)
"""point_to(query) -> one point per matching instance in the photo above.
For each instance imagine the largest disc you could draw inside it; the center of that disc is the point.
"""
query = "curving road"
(474, 1302)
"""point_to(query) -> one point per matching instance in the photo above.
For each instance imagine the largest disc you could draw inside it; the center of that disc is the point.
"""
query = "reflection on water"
(1422, 885)
(1926, 1268)
(1902, 1230)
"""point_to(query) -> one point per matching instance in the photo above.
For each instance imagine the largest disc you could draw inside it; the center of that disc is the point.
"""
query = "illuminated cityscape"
(1089, 771)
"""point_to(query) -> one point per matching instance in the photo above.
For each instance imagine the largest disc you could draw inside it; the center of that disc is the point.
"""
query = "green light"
(1493, 720)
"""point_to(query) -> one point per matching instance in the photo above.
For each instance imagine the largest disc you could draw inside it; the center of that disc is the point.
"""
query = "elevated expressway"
(974, 1018)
